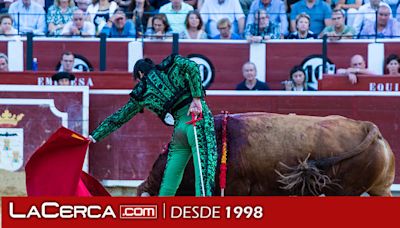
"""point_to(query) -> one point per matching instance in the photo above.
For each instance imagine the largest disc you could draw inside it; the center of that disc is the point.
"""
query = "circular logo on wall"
(80, 64)
(314, 71)
(206, 69)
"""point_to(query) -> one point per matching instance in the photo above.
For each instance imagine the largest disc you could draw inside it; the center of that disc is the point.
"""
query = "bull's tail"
(308, 178)
(373, 134)
(305, 179)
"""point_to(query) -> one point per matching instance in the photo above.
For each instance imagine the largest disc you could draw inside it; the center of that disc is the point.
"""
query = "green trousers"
(183, 147)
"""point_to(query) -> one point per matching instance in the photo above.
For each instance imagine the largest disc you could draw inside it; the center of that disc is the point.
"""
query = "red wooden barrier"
(364, 83)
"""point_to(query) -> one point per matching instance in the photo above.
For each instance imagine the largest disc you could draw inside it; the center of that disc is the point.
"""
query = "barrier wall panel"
(364, 83)
(3, 47)
(96, 80)
(145, 135)
(44, 112)
(41, 111)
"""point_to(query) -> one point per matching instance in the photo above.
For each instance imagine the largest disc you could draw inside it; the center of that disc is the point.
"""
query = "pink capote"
(55, 169)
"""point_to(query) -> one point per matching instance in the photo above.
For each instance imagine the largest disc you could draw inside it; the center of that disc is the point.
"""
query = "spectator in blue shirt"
(224, 27)
(319, 11)
(119, 26)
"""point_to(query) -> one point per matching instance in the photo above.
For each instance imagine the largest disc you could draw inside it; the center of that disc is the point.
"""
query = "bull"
(275, 154)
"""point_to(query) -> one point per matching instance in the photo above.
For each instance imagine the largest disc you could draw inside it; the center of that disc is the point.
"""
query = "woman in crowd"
(194, 27)
(6, 26)
(58, 15)
(140, 12)
(303, 28)
(297, 80)
(160, 28)
(100, 11)
(392, 63)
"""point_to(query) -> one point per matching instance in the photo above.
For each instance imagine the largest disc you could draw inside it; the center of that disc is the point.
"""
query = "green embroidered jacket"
(175, 80)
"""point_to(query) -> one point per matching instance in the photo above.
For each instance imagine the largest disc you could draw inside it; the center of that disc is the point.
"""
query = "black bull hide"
(273, 154)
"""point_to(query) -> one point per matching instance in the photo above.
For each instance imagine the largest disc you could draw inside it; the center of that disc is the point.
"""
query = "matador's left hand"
(195, 107)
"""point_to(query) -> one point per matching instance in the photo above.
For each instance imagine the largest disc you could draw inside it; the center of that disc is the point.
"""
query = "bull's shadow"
(274, 154)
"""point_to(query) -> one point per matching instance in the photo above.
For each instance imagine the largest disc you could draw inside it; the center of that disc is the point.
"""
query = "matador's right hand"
(195, 107)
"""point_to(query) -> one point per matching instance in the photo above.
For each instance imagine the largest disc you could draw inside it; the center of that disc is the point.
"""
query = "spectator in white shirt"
(367, 12)
(214, 10)
(28, 17)
(78, 26)
(176, 12)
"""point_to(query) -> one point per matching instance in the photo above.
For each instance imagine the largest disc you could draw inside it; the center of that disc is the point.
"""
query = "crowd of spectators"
(253, 20)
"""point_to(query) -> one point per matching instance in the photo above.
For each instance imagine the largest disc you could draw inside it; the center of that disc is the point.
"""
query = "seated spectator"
(250, 81)
(225, 31)
(338, 30)
(262, 28)
(31, 17)
(303, 28)
(160, 28)
(392, 4)
(276, 11)
(357, 66)
(215, 10)
(367, 13)
(67, 62)
(176, 12)
(100, 11)
(3, 62)
(63, 78)
(319, 12)
(118, 26)
(392, 63)
(78, 27)
(5, 6)
(83, 4)
(387, 26)
(6, 26)
(350, 7)
(297, 80)
(194, 26)
(141, 16)
(58, 15)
